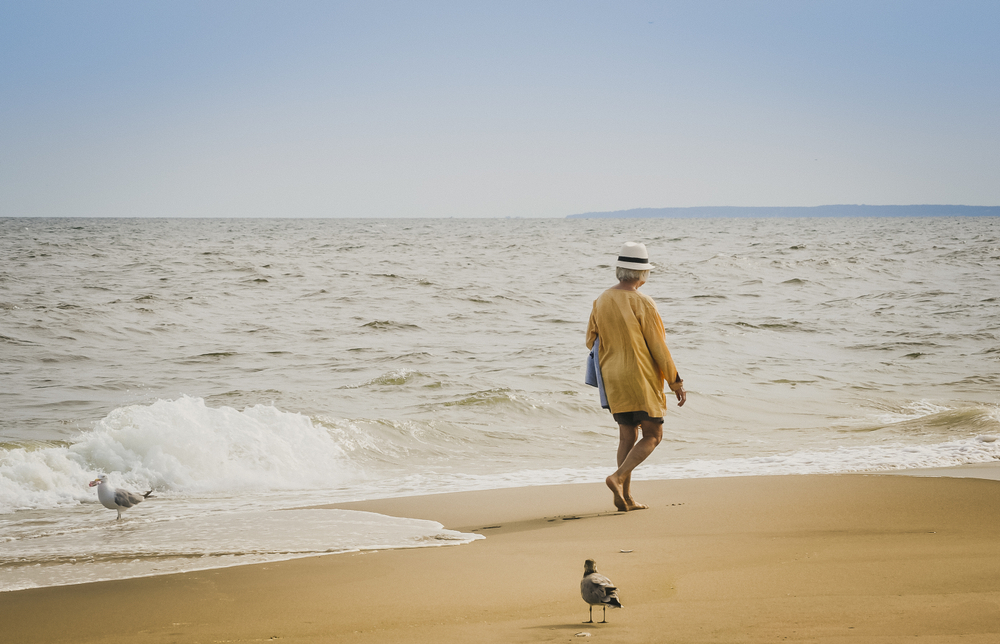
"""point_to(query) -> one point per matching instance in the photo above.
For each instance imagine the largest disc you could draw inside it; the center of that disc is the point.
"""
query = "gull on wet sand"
(597, 590)
(115, 499)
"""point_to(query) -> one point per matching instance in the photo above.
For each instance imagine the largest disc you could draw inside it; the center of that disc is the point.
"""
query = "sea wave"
(181, 446)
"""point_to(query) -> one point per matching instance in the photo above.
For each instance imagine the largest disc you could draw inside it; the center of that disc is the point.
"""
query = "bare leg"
(627, 435)
(634, 453)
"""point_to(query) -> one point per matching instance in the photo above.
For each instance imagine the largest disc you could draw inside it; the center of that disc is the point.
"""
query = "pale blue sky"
(476, 109)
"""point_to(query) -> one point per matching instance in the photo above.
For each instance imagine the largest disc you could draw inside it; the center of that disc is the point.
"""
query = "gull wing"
(126, 499)
(597, 589)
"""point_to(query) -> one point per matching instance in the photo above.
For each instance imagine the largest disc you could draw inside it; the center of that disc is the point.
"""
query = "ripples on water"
(343, 359)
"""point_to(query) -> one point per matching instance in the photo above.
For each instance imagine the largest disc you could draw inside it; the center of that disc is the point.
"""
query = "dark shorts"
(633, 418)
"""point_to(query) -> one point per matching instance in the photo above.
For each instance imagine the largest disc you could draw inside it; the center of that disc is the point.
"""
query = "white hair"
(629, 275)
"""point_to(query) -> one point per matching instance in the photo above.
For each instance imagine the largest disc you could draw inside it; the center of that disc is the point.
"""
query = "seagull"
(114, 499)
(598, 590)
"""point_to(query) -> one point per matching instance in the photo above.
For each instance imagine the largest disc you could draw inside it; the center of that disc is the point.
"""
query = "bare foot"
(616, 489)
(632, 505)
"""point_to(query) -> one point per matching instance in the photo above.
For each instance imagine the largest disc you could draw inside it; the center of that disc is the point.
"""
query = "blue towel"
(593, 377)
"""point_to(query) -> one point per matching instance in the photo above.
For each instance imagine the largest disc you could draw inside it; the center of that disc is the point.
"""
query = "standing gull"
(114, 499)
(597, 590)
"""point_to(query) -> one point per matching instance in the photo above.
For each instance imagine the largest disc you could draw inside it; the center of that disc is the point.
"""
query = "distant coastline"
(845, 210)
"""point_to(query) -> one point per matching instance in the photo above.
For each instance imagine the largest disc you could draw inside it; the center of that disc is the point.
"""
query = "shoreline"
(989, 471)
(417, 507)
(809, 557)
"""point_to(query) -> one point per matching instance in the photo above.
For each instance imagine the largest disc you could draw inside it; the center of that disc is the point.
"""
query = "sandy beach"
(860, 558)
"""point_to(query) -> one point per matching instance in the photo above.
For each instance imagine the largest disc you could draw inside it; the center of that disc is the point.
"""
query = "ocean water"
(247, 370)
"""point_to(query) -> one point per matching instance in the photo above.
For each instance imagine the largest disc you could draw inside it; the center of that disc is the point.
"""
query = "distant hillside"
(799, 211)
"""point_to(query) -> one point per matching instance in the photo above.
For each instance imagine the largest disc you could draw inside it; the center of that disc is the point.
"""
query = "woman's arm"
(656, 342)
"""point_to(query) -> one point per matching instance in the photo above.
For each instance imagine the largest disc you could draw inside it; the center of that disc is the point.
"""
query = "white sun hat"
(634, 256)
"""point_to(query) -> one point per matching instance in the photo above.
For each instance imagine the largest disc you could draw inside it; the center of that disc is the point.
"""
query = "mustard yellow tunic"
(634, 358)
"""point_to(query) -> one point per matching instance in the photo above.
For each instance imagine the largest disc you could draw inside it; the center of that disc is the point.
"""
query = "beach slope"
(757, 559)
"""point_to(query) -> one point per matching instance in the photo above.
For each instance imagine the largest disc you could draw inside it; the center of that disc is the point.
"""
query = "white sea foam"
(910, 411)
(981, 449)
(178, 446)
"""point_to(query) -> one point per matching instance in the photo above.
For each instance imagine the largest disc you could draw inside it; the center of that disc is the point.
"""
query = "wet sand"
(860, 558)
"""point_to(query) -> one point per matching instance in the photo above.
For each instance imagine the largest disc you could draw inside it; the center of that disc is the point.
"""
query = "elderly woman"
(635, 362)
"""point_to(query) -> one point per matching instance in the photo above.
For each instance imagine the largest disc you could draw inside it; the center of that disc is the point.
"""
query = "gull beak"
(94, 482)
